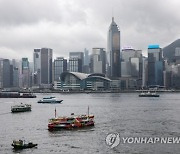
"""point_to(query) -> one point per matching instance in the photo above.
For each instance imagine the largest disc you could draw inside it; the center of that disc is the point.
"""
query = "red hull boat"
(71, 122)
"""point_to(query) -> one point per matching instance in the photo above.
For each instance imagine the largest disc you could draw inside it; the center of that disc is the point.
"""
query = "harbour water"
(123, 113)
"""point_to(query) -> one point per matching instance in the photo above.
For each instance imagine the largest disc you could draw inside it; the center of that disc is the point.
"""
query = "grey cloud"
(69, 25)
(27, 11)
(18, 12)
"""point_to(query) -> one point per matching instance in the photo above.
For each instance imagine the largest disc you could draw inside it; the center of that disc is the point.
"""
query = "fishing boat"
(21, 108)
(49, 100)
(148, 94)
(20, 144)
(71, 122)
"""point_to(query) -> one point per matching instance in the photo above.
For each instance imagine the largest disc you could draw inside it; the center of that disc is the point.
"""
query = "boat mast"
(55, 112)
(88, 111)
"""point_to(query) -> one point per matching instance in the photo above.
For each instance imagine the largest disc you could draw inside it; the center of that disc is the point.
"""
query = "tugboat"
(21, 108)
(72, 122)
(20, 144)
(49, 100)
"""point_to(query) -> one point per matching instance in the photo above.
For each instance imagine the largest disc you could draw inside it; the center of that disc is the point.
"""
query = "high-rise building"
(1, 73)
(75, 65)
(79, 55)
(60, 66)
(76, 61)
(131, 63)
(98, 61)
(144, 72)
(42, 71)
(86, 57)
(114, 50)
(25, 73)
(5, 67)
(86, 68)
(11, 75)
(46, 66)
(16, 67)
(155, 65)
(15, 77)
(37, 66)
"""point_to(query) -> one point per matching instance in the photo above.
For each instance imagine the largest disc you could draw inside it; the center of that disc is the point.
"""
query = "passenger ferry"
(21, 108)
(49, 100)
(74, 121)
(71, 122)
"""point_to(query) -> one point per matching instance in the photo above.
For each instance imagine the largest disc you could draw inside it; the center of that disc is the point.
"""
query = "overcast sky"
(72, 25)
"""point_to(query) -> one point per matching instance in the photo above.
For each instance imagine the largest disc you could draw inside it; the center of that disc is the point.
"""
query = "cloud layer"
(68, 25)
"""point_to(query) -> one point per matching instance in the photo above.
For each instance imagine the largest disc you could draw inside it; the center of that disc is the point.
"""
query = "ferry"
(21, 108)
(20, 144)
(71, 122)
(4, 94)
(148, 94)
(49, 100)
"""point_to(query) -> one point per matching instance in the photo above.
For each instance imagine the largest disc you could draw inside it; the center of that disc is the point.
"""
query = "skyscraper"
(86, 57)
(131, 63)
(5, 73)
(155, 65)
(98, 60)
(37, 67)
(46, 66)
(76, 61)
(25, 73)
(114, 50)
(60, 66)
(86, 68)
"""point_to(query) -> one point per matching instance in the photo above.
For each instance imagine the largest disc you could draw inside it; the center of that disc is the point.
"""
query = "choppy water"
(124, 113)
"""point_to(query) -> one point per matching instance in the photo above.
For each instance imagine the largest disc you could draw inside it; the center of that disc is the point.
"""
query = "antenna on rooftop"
(112, 14)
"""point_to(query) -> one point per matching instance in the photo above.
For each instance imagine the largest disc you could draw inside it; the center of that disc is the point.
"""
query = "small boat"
(148, 94)
(20, 144)
(49, 100)
(27, 95)
(71, 122)
(21, 108)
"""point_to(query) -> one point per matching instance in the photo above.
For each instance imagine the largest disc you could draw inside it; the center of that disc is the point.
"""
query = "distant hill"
(169, 51)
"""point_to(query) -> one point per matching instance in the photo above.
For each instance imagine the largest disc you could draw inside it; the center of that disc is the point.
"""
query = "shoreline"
(121, 91)
(89, 91)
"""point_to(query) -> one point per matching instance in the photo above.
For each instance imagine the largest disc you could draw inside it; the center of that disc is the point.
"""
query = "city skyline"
(73, 26)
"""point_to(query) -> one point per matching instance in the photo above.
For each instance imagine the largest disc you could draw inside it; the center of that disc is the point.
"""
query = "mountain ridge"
(169, 50)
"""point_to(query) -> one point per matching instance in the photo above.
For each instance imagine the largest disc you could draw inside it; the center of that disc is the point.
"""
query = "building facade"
(60, 66)
(81, 81)
(36, 67)
(25, 73)
(113, 49)
(46, 67)
(86, 67)
(6, 82)
(98, 61)
(76, 61)
(155, 65)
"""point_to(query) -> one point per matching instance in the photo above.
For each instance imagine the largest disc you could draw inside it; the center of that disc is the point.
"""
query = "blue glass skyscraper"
(155, 65)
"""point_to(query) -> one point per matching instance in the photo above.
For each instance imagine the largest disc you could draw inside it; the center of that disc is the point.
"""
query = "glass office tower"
(114, 50)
